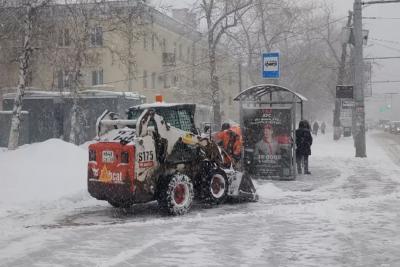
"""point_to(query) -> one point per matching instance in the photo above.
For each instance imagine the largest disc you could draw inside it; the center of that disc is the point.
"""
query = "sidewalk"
(345, 214)
(340, 155)
(337, 173)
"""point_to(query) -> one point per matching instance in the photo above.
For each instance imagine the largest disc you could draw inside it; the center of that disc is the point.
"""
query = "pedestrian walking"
(323, 127)
(315, 128)
(303, 146)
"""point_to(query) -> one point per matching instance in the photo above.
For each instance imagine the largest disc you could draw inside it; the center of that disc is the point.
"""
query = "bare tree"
(10, 27)
(82, 20)
(132, 22)
(301, 33)
(265, 27)
(29, 10)
(220, 16)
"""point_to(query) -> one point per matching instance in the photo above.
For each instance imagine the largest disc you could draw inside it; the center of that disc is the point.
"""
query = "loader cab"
(180, 116)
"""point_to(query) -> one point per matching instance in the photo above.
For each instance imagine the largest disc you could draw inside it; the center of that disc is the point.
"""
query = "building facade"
(127, 46)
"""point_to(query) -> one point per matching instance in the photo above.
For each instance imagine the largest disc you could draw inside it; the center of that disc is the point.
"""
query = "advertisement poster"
(267, 142)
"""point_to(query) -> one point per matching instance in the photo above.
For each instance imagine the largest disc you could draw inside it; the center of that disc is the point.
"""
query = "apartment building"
(127, 46)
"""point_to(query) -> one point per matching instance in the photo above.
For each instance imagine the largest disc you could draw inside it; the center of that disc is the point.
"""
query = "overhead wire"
(386, 41)
(387, 46)
(381, 18)
(228, 56)
(191, 66)
(388, 81)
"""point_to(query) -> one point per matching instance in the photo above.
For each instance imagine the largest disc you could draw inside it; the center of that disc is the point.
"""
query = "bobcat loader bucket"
(241, 187)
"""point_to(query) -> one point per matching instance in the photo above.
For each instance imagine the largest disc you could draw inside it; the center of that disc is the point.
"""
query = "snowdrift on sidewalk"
(41, 172)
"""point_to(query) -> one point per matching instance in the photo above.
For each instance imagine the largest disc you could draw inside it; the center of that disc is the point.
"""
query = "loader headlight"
(124, 157)
(92, 155)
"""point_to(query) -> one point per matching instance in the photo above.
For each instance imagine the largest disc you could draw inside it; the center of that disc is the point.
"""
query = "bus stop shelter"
(268, 115)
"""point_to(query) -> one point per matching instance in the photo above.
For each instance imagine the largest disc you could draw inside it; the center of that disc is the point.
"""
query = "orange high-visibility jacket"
(231, 140)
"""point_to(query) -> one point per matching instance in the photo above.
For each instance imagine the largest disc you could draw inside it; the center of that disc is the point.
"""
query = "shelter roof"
(255, 92)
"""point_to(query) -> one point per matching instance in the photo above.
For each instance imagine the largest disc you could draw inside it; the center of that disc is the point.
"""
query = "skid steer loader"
(149, 157)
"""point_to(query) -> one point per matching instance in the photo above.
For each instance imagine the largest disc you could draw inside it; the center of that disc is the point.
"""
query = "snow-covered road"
(347, 213)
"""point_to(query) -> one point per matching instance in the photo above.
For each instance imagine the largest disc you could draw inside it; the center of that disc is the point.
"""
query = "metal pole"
(380, 2)
(302, 111)
(241, 123)
(340, 81)
(293, 136)
(359, 134)
(240, 90)
(376, 58)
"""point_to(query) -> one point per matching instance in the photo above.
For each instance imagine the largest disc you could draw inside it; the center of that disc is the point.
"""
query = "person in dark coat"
(303, 146)
(323, 127)
(315, 128)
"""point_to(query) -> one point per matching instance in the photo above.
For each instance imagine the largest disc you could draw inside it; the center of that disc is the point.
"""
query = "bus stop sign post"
(271, 68)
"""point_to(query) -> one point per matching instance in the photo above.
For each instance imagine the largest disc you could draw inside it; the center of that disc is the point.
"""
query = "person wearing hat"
(231, 139)
(267, 145)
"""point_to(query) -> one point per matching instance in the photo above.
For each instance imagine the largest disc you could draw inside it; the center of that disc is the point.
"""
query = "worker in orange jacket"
(231, 139)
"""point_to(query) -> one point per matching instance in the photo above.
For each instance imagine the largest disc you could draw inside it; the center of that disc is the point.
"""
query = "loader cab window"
(180, 118)
(134, 114)
(169, 116)
(185, 120)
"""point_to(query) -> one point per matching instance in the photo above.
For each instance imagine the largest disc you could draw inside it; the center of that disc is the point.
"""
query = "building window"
(180, 52)
(175, 49)
(188, 54)
(166, 85)
(96, 36)
(97, 77)
(60, 79)
(29, 77)
(153, 41)
(63, 79)
(194, 52)
(175, 81)
(64, 38)
(164, 45)
(144, 79)
(153, 80)
(144, 41)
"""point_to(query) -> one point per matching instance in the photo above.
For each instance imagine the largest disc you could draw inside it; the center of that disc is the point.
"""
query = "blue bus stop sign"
(271, 65)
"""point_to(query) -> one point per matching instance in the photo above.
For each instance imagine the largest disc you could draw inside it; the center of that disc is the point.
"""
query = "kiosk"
(268, 122)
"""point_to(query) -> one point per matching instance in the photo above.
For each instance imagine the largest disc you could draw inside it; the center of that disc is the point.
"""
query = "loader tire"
(215, 187)
(176, 195)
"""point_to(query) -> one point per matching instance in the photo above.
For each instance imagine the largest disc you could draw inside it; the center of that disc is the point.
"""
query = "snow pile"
(42, 172)
(269, 190)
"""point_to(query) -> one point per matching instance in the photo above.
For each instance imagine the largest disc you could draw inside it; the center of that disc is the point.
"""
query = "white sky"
(381, 29)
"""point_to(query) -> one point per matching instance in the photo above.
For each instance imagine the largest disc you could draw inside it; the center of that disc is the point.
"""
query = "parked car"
(386, 127)
(382, 123)
(395, 127)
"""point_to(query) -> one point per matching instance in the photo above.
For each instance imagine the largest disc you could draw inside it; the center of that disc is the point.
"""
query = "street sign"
(346, 117)
(271, 65)
(347, 103)
(359, 109)
(383, 109)
(344, 91)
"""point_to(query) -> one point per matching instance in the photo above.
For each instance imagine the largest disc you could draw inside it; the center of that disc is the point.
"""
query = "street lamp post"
(359, 129)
